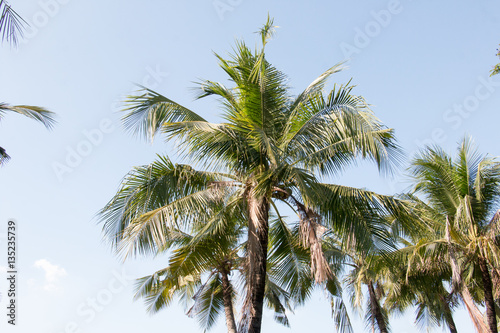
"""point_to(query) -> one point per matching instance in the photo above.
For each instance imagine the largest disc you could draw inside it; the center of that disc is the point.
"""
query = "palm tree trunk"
(448, 317)
(227, 293)
(377, 311)
(488, 296)
(474, 313)
(257, 259)
(450, 322)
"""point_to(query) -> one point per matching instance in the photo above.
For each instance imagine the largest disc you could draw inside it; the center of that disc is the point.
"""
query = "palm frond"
(47, 118)
(145, 211)
(4, 157)
(330, 133)
(11, 24)
(341, 316)
(147, 112)
(209, 303)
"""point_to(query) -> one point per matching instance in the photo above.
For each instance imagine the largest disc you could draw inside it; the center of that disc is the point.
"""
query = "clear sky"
(422, 65)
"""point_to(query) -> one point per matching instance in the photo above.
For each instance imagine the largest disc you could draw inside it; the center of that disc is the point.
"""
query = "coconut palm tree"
(421, 283)
(198, 272)
(364, 274)
(363, 269)
(462, 197)
(271, 148)
(419, 275)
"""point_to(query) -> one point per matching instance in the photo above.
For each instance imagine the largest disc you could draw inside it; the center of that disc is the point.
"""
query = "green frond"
(160, 289)
(341, 316)
(209, 88)
(149, 111)
(145, 211)
(47, 118)
(289, 261)
(357, 215)
(278, 300)
(208, 303)
(316, 87)
(268, 30)
(330, 133)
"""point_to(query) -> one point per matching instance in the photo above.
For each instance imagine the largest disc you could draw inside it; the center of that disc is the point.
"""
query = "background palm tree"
(271, 148)
(422, 283)
(462, 200)
(363, 268)
(198, 272)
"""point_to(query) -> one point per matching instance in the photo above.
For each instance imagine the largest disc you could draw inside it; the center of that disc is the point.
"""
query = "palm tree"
(418, 275)
(420, 283)
(198, 272)
(365, 269)
(462, 201)
(34, 112)
(271, 148)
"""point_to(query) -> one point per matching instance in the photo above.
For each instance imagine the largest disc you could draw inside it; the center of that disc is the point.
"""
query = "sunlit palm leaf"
(47, 118)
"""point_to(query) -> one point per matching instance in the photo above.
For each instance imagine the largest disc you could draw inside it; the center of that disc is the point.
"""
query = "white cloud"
(52, 273)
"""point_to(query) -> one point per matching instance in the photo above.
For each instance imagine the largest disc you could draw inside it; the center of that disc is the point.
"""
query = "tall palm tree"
(271, 148)
(462, 197)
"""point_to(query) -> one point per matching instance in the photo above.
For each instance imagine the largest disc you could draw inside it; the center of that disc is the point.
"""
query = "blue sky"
(422, 65)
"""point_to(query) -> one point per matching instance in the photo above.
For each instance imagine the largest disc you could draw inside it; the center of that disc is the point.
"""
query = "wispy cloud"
(53, 273)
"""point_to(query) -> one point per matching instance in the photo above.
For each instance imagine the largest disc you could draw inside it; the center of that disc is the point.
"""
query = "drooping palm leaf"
(47, 118)
(11, 24)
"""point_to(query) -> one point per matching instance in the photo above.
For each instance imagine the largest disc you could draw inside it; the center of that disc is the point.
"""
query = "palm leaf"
(47, 118)
(11, 24)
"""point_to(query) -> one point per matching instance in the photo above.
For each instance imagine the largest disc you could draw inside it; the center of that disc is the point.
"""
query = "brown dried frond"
(311, 232)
